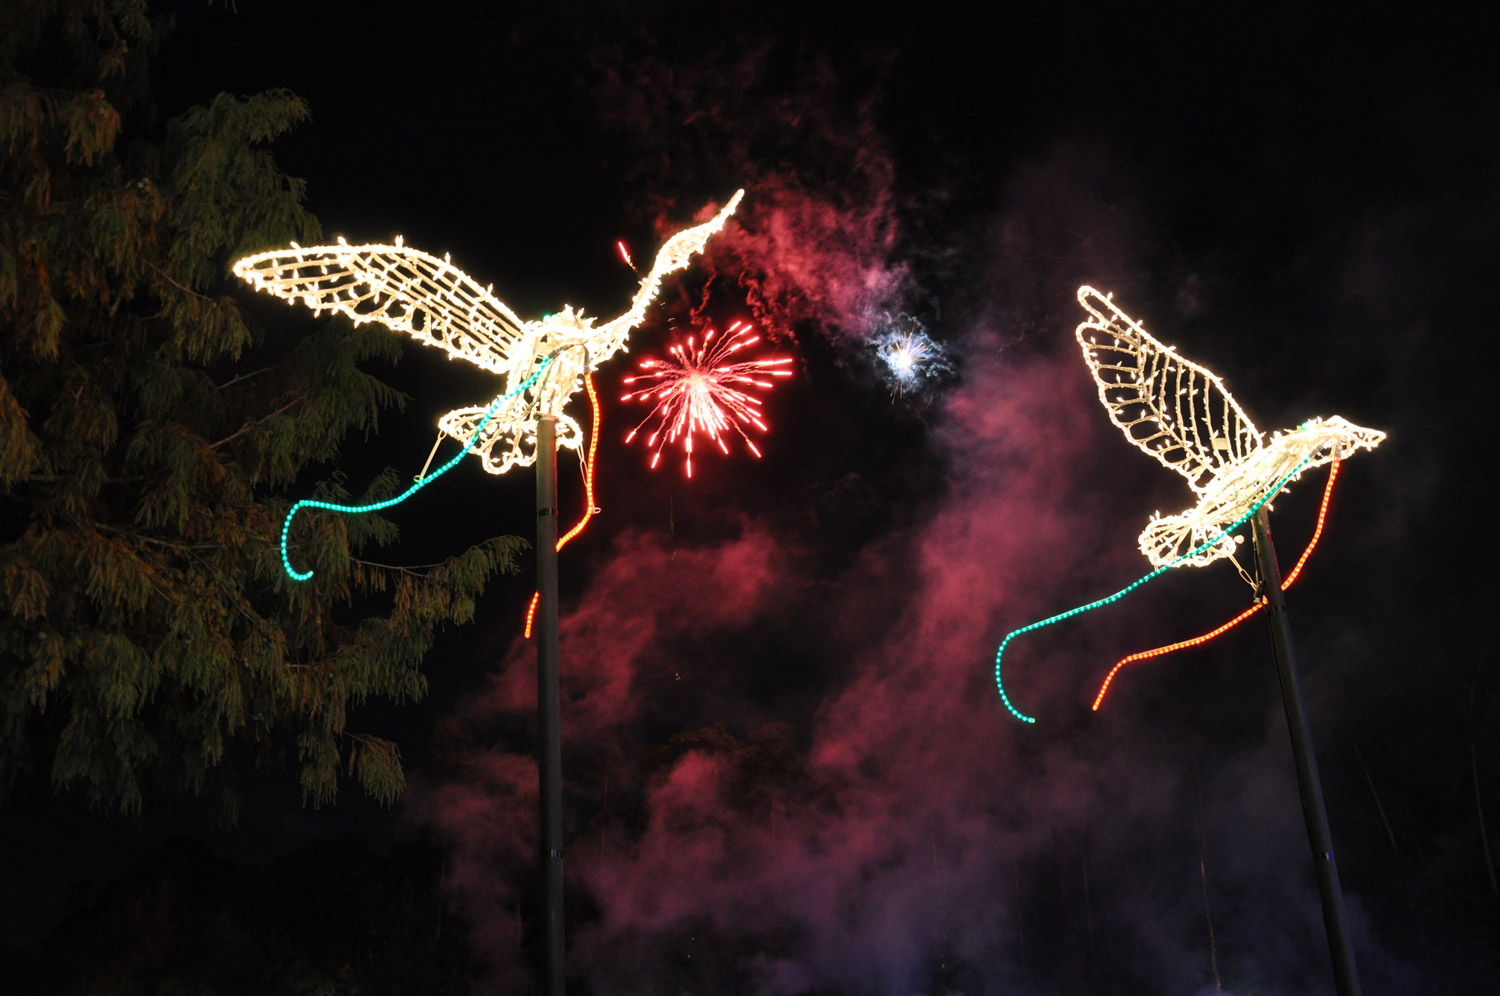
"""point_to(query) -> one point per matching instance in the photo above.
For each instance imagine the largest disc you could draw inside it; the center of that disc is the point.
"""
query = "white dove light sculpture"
(439, 305)
(1180, 413)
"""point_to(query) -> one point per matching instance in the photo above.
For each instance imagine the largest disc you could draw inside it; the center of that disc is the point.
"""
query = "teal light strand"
(999, 684)
(286, 527)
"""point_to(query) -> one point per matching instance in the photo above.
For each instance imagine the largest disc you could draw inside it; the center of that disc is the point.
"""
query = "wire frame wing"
(1173, 409)
(405, 289)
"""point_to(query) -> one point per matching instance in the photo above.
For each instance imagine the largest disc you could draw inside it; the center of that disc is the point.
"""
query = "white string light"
(1181, 413)
(439, 305)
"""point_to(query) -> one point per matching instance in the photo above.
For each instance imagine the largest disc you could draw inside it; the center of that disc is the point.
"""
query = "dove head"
(1339, 436)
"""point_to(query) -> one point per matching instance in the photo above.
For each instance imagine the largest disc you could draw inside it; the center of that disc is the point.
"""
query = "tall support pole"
(549, 735)
(1345, 976)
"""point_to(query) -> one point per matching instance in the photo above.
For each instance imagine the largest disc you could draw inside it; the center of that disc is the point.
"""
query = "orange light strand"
(588, 491)
(1286, 582)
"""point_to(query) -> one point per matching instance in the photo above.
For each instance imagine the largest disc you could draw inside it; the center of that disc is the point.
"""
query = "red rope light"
(1286, 582)
(588, 491)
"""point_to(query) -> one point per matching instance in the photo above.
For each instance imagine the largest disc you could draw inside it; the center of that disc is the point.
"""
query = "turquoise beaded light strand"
(286, 527)
(1000, 685)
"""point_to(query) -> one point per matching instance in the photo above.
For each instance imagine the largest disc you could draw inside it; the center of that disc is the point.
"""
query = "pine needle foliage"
(149, 639)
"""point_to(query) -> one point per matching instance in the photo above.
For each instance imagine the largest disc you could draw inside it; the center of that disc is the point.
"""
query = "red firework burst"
(704, 389)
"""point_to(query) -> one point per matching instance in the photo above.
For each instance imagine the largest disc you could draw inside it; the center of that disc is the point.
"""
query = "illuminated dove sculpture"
(1180, 413)
(439, 305)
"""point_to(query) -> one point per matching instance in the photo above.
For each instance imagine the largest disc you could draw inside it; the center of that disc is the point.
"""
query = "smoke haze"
(884, 826)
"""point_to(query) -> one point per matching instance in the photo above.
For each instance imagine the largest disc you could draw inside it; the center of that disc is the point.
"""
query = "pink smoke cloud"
(912, 759)
(817, 239)
(910, 836)
(488, 815)
(648, 591)
(646, 594)
(891, 821)
(802, 257)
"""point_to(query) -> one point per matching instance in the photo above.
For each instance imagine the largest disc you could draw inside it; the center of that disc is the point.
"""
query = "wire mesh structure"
(1180, 413)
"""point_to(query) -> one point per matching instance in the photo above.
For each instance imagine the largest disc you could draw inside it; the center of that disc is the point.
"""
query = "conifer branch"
(414, 570)
(155, 541)
(186, 290)
(300, 396)
(60, 478)
(233, 597)
(245, 376)
(156, 635)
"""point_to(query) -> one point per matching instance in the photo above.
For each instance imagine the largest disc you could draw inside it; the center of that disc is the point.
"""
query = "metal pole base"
(1345, 976)
(549, 737)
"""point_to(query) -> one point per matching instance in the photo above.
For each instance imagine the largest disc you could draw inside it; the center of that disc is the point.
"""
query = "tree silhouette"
(147, 632)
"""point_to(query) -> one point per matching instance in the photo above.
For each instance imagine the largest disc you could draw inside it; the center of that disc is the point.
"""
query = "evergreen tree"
(147, 631)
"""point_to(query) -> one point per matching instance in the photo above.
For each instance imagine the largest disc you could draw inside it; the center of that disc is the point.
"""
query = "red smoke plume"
(908, 836)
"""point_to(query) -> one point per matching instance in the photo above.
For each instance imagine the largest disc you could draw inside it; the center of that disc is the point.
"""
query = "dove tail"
(1000, 654)
(1213, 634)
(588, 492)
(286, 527)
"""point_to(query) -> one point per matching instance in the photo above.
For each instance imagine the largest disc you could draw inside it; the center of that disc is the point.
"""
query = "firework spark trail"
(704, 390)
(904, 356)
(909, 355)
(625, 254)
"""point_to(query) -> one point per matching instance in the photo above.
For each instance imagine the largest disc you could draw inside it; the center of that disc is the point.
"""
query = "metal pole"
(1345, 976)
(549, 737)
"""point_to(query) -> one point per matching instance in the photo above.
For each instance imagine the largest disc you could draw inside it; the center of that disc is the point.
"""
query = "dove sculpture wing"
(1168, 406)
(402, 288)
(1181, 413)
(439, 305)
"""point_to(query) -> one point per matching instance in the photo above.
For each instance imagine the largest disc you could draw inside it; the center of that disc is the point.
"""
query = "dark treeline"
(330, 919)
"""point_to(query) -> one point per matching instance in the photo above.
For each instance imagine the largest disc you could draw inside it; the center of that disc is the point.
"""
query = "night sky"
(788, 770)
